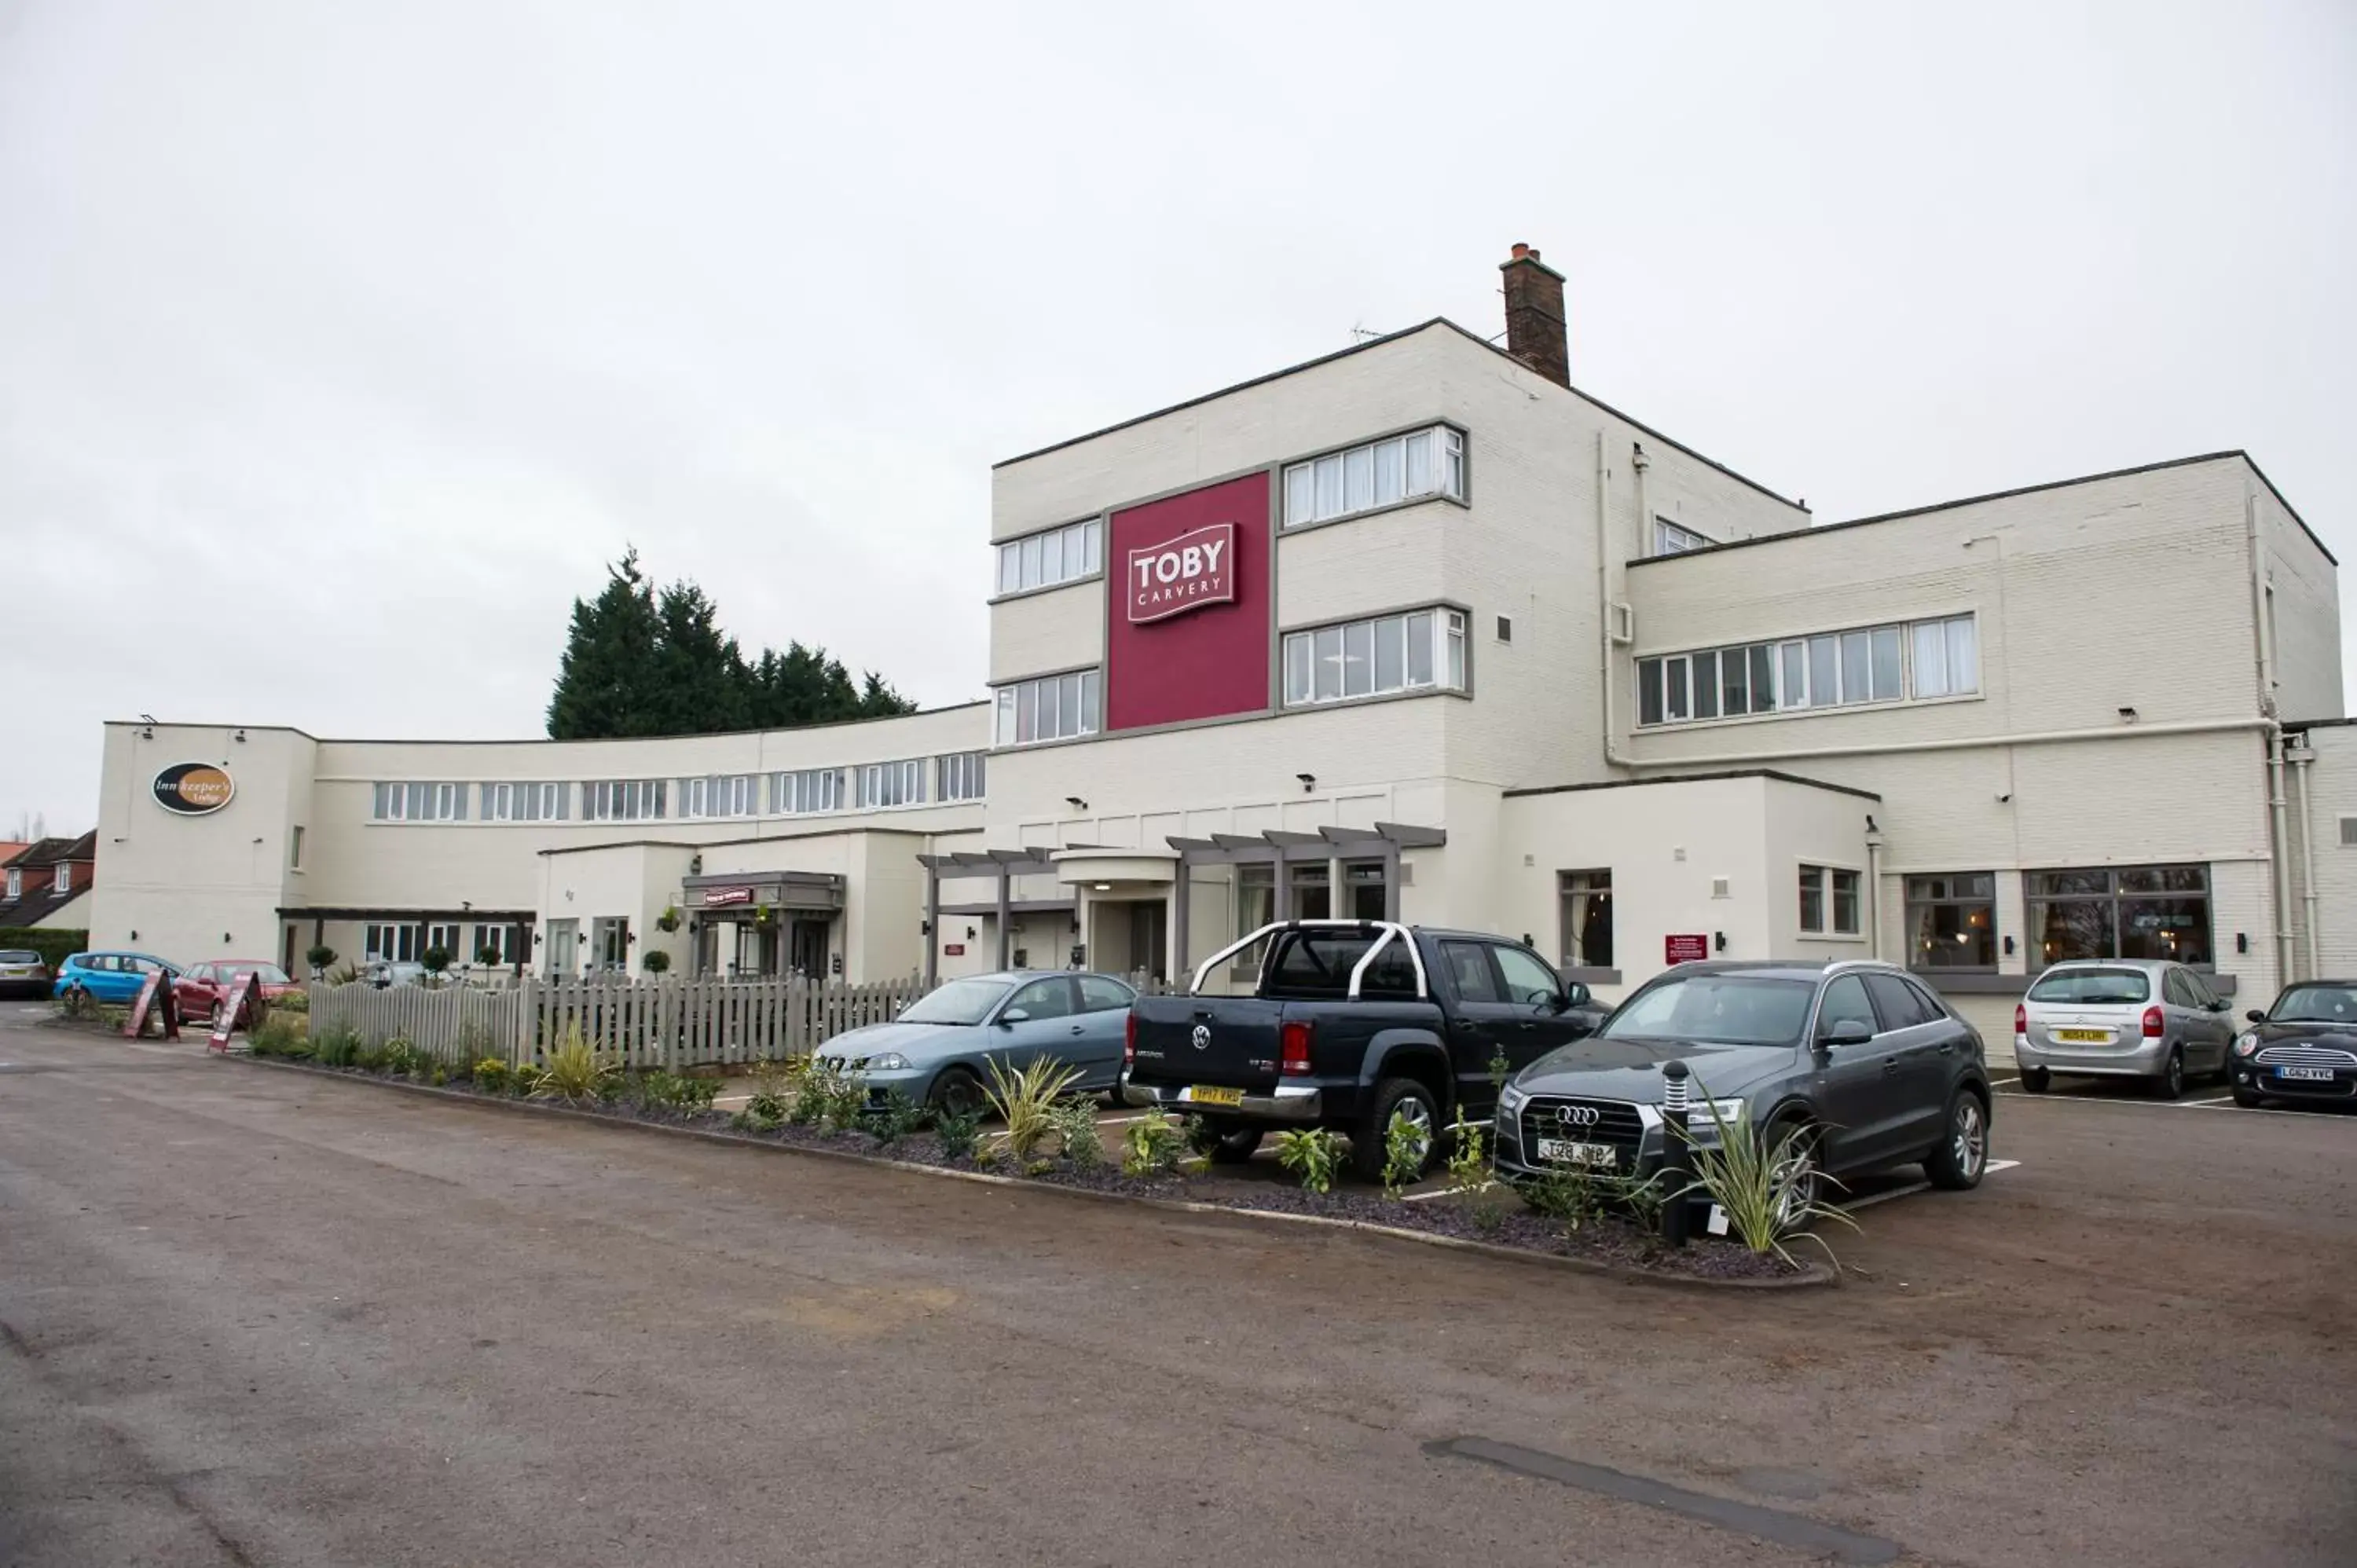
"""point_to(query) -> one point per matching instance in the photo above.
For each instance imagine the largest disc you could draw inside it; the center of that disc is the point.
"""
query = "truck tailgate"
(1227, 1041)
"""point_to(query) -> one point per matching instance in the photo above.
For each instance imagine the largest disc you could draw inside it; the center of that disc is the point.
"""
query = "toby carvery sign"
(194, 789)
(1195, 569)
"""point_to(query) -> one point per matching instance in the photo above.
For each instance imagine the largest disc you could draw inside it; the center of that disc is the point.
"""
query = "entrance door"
(564, 939)
(1149, 938)
(806, 952)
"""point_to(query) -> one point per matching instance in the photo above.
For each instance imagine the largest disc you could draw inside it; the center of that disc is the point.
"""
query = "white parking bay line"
(2213, 1100)
(1446, 1192)
(1997, 1082)
(1908, 1191)
(1996, 1166)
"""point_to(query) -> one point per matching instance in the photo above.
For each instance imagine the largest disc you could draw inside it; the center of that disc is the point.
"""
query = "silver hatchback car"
(2122, 1018)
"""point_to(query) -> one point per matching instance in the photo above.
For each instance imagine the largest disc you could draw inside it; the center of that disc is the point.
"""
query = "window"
(1366, 894)
(1256, 907)
(2348, 833)
(1380, 474)
(1899, 1003)
(389, 944)
(721, 795)
(1063, 554)
(62, 881)
(1044, 999)
(1527, 979)
(1505, 628)
(1468, 971)
(420, 803)
(1669, 539)
(1309, 891)
(1846, 1002)
(1310, 964)
(609, 943)
(1099, 994)
(295, 848)
(536, 802)
(959, 776)
(1370, 657)
(1584, 905)
(16, 885)
(494, 946)
(1874, 664)
(445, 937)
(1049, 707)
(1715, 1009)
(2093, 987)
(624, 800)
(891, 784)
(2123, 912)
(1845, 899)
(1952, 921)
(811, 790)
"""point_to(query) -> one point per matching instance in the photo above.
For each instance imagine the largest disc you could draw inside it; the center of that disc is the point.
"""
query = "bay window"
(1419, 649)
(1047, 560)
(1048, 707)
(1383, 473)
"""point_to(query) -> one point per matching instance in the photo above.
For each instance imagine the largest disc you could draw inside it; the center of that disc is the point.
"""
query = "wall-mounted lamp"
(2006, 799)
(924, 928)
(1308, 781)
(2008, 946)
(257, 841)
(148, 733)
(2128, 715)
(969, 933)
(1718, 942)
(1075, 802)
(135, 935)
(535, 938)
(239, 737)
(1870, 823)
(1101, 887)
(226, 939)
(2242, 940)
(467, 905)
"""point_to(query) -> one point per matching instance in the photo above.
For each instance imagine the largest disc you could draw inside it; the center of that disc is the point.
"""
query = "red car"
(202, 987)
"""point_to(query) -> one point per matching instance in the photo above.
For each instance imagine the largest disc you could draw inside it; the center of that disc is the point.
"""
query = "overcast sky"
(341, 345)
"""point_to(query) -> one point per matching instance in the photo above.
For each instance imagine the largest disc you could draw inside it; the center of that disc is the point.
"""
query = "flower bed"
(1495, 1218)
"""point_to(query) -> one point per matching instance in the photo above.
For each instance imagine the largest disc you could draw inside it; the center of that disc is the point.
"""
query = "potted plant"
(320, 956)
(654, 960)
(435, 961)
(668, 922)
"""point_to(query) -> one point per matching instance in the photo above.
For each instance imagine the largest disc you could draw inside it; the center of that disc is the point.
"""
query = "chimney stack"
(1535, 328)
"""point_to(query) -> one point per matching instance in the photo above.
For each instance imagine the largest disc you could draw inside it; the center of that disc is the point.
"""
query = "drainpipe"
(1873, 889)
(1604, 599)
(2279, 828)
(2301, 761)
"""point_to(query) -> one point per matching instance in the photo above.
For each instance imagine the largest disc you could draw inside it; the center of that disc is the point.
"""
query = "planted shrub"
(491, 1075)
(1469, 1172)
(282, 1035)
(1758, 1179)
(1026, 1097)
(811, 1091)
(893, 1118)
(1076, 1133)
(1570, 1193)
(296, 1002)
(337, 1048)
(397, 1056)
(843, 1096)
(1311, 1153)
(576, 1073)
(655, 962)
(1406, 1145)
(1152, 1146)
(320, 956)
(960, 1133)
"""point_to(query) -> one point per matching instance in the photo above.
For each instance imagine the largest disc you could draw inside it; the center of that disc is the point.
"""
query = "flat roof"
(1779, 776)
(1387, 339)
(541, 739)
(1816, 529)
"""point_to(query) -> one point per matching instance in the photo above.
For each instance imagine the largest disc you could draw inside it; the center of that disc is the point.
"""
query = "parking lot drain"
(1824, 1542)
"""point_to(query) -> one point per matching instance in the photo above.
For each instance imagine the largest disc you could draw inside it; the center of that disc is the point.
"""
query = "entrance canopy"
(1280, 847)
(735, 894)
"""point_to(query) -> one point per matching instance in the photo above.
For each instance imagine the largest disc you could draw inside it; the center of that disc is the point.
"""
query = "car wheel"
(1958, 1163)
(213, 1019)
(2246, 1100)
(2036, 1080)
(2170, 1084)
(957, 1093)
(1367, 1151)
(1235, 1146)
(1801, 1178)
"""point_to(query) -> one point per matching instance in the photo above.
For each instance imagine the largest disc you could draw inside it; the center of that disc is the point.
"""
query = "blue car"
(936, 1052)
(109, 976)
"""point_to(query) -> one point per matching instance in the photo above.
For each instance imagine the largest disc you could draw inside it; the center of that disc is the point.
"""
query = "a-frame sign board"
(243, 1005)
(154, 996)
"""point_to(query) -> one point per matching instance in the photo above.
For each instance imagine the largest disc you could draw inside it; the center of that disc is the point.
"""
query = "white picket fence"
(667, 1023)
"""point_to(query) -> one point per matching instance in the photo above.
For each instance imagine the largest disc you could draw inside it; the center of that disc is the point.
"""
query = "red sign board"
(1190, 639)
(954, 949)
(1691, 947)
(237, 1009)
(154, 993)
(728, 896)
(1189, 572)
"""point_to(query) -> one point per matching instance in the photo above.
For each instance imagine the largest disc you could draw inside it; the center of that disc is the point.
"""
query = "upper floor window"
(63, 881)
(891, 784)
(811, 790)
(624, 800)
(420, 803)
(16, 885)
(959, 776)
(1424, 649)
(533, 802)
(1816, 882)
(1048, 707)
(1379, 473)
(1669, 539)
(1924, 659)
(1059, 555)
(721, 795)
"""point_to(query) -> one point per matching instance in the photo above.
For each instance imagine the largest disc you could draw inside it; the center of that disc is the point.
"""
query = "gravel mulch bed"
(1502, 1221)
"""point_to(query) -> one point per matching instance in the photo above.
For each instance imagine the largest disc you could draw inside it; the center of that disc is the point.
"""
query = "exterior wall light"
(1308, 781)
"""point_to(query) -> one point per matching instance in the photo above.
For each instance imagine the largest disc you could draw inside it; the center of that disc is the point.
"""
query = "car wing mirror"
(1845, 1031)
(1575, 994)
(1013, 1016)
(2256, 1016)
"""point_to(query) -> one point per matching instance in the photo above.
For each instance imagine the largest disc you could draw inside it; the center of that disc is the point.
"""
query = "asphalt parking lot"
(261, 1318)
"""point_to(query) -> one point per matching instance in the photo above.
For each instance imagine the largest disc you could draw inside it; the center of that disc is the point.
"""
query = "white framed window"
(389, 943)
(418, 803)
(529, 802)
(16, 885)
(1830, 890)
(721, 795)
(1048, 707)
(62, 881)
(1669, 539)
(624, 800)
(493, 945)
(883, 784)
(1921, 659)
(295, 849)
(809, 791)
(444, 937)
(1383, 473)
(959, 776)
(1414, 650)
(1059, 555)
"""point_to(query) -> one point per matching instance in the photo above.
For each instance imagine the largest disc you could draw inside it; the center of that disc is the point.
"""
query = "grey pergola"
(1280, 847)
(1002, 865)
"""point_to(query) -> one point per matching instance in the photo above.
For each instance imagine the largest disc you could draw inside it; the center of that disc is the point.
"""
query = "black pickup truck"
(1351, 1021)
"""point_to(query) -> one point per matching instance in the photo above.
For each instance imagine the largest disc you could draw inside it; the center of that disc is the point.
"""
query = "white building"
(1418, 628)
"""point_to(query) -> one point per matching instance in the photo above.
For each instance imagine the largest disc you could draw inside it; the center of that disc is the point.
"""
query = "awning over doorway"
(1002, 866)
(734, 895)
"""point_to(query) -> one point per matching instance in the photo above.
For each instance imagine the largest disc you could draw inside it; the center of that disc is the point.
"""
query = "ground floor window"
(1584, 899)
(495, 945)
(390, 944)
(1952, 921)
(2125, 912)
(1256, 907)
(609, 943)
(1822, 886)
(1367, 889)
(1309, 891)
(444, 937)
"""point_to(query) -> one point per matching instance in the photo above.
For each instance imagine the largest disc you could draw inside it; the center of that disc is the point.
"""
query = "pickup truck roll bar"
(1392, 932)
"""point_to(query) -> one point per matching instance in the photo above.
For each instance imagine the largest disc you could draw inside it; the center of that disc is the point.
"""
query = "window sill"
(1002, 598)
(1810, 936)
(1288, 530)
(1410, 694)
(1682, 726)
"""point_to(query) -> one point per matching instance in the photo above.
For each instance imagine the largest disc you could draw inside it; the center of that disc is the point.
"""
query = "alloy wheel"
(1796, 1179)
(1970, 1141)
(1419, 1116)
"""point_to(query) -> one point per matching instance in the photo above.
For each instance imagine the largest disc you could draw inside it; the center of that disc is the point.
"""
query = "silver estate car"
(2122, 1018)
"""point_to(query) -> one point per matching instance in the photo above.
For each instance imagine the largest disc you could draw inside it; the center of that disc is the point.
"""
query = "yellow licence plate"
(1211, 1094)
(2084, 1036)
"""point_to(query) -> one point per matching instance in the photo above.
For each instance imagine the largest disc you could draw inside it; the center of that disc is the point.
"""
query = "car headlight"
(1729, 1111)
(890, 1061)
(1511, 1101)
(2245, 1045)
